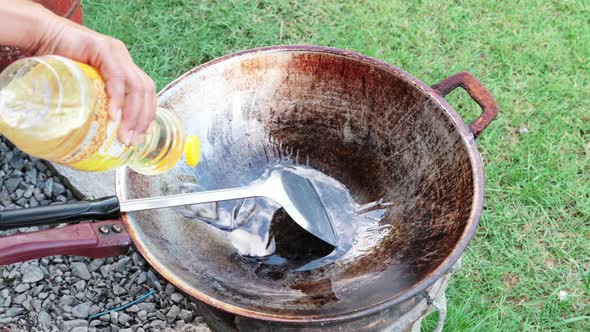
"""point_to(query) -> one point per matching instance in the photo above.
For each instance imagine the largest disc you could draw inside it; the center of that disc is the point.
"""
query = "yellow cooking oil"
(55, 108)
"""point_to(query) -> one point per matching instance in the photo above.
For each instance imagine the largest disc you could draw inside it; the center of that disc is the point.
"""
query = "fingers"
(115, 87)
(148, 112)
(132, 95)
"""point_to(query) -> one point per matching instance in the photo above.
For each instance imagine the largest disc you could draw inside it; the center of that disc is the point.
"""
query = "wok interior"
(358, 122)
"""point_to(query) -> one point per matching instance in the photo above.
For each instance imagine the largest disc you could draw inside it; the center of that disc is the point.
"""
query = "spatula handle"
(104, 208)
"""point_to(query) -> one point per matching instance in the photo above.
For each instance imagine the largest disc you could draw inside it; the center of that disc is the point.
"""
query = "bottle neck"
(163, 145)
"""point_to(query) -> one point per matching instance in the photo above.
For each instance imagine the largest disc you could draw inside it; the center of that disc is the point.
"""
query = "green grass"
(533, 56)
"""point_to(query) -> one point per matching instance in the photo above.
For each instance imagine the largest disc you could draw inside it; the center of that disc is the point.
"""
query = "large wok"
(378, 130)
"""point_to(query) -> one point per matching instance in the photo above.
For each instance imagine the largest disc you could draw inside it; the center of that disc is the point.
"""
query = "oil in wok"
(262, 232)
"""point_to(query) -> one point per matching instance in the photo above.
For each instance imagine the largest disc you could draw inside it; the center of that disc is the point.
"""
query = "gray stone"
(160, 315)
(94, 309)
(28, 193)
(186, 315)
(58, 189)
(44, 319)
(158, 324)
(4, 194)
(95, 322)
(48, 187)
(20, 299)
(81, 310)
(137, 259)
(153, 279)
(27, 304)
(80, 329)
(87, 184)
(69, 325)
(13, 312)
(142, 278)
(126, 330)
(170, 289)
(17, 163)
(36, 303)
(176, 297)
(142, 316)
(134, 308)
(6, 320)
(12, 184)
(148, 307)
(95, 264)
(118, 290)
(13, 274)
(33, 202)
(31, 176)
(134, 290)
(122, 264)
(38, 289)
(67, 300)
(124, 318)
(22, 288)
(105, 270)
(114, 317)
(31, 273)
(80, 270)
(173, 313)
(7, 301)
(40, 165)
(80, 285)
(48, 304)
(39, 196)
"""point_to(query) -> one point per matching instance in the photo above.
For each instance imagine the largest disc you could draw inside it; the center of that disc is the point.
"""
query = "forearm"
(22, 23)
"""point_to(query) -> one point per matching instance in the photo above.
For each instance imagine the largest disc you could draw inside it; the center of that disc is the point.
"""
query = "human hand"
(132, 93)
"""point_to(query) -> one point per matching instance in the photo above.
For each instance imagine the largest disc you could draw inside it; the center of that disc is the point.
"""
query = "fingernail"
(128, 137)
(117, 116)
(138, 140)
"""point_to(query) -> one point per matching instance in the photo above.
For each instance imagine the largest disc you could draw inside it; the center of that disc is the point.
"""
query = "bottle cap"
(192, 151)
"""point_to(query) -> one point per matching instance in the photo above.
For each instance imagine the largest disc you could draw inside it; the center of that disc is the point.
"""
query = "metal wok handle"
(477, 92)
(95, 240)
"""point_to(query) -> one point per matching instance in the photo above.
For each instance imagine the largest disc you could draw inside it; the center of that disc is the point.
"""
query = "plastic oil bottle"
(55, 109)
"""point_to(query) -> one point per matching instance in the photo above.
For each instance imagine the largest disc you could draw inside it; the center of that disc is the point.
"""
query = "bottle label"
(96, 135)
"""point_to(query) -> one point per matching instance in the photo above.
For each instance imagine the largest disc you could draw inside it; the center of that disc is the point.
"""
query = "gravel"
(82, 310)
(22, 288)
(176, 297)
(173, 313)
(80, 270)
(72, 324)
(31, 273)
(44, 319)
(58, 293)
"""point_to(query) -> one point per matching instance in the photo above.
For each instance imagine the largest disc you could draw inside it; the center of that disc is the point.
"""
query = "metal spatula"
(295, 193)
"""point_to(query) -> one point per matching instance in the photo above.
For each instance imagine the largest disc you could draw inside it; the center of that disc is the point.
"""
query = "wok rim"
(474, 216)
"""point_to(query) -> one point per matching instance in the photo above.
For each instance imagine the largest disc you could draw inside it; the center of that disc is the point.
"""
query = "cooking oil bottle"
(55, 108)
